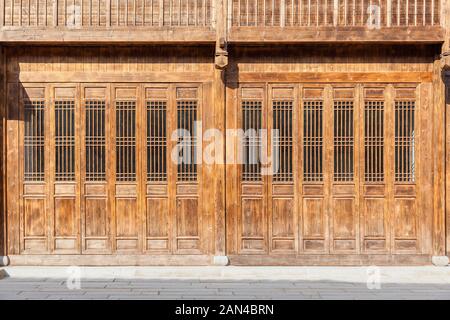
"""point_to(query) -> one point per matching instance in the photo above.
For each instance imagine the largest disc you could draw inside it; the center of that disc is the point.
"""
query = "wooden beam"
(110, 77)
(315, 77)
(249, 35)
(329, 259)
(109, 35)
(110, 260)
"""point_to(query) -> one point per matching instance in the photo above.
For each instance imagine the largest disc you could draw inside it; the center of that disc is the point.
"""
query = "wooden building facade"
(348, 99)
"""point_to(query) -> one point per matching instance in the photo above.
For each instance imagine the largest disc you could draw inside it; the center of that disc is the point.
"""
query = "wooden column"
(221, 61)
(445, 115)
(438, 246)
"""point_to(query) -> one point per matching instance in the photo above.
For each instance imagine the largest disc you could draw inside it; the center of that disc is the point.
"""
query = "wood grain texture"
(301, 215)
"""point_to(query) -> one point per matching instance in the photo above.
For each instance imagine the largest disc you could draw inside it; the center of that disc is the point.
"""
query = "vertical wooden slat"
(335, 12)
(161, 13)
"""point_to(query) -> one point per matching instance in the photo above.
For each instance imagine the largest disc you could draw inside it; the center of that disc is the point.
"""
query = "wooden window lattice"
(252, 122)
(313, 141)
(404, 141)
(187, 140)
(374, 141)
(156, 141)
(282, 141)
(95, 140)
(125, 141)
(343, 141)
(34, 140)
(65, 140)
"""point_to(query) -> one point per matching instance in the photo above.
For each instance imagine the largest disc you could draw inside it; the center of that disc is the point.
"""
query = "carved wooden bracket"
(221, 60)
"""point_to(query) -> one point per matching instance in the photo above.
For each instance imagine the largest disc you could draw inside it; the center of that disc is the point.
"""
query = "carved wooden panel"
(344, 203)
(66, 162)
(96, 168)
(187, 172)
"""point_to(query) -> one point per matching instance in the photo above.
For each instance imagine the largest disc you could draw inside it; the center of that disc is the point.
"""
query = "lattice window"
(252, 122)
(313, 141)
(125, 141)
(404, 141)
(65, 140)
(343, 141)
(156, 141)
(374, 141)
(282, 141)
(34, 140)
(95, 140)
(187, 140)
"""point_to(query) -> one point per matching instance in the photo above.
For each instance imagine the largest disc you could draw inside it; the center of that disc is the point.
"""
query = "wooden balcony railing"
(104, 13)
(323, 13)
(182, 21)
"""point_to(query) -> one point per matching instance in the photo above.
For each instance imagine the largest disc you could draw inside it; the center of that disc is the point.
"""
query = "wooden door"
(111, 168)
(346, 160)
(96, 168)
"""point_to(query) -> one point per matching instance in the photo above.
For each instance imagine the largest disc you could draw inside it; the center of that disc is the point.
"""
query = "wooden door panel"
(406, 134)
(313, 219)
(313, 122)
(65, 220)
(283, 224)
(126, 134)
(253, 239)
(65, 146)
(343, 218)
(33, 169)
(282, 142)
(96, 168)
(375, 218)
(344, 209)
(252, 215)
(375, 180)
(35, 226)
(34, 218)
(157, 171)
(157, 224)
(96, 218)
(104, 181)
(186, 177)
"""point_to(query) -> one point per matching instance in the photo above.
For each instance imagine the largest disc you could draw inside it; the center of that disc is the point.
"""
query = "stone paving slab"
(314, 283)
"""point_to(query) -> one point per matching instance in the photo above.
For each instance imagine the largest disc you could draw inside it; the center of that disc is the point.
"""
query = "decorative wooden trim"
(200, 260)
(111, 77)
(427, 34)
(109, 35)
(111, 260)
(328, 259)
(305, 77)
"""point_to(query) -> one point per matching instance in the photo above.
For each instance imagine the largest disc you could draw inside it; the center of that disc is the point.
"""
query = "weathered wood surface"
(347, 221)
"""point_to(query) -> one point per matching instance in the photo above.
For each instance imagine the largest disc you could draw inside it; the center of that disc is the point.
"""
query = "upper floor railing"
(199, 20)
(323, 13)
(103, 13)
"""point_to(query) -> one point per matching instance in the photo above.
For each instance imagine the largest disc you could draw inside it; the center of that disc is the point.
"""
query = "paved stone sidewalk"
(428, 284)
